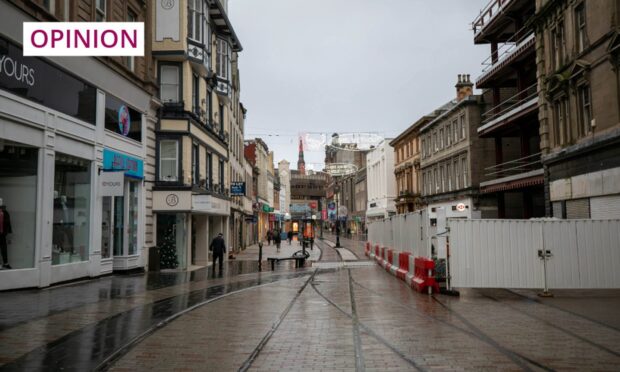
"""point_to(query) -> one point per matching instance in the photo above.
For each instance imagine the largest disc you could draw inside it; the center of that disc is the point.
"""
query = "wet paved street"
(346, 319)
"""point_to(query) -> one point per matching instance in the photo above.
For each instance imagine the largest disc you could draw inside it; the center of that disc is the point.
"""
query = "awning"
(513, 185)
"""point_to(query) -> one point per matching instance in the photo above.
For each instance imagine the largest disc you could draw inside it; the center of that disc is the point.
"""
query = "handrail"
(507, 48)
(508, 104)
(516, 166)
(488, 12)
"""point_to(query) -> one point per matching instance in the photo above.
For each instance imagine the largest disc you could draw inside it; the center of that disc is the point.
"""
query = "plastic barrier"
(424, 278)
(387, 264)
(403, 265)
(367, 249)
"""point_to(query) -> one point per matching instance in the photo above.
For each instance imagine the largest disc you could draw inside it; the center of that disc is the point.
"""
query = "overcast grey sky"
(349, 65)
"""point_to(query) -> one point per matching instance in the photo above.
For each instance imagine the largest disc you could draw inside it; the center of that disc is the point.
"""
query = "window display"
(72, 184)
(18, 197)
(133, 218)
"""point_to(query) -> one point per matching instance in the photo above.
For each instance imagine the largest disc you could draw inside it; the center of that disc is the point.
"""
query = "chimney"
(464, 87)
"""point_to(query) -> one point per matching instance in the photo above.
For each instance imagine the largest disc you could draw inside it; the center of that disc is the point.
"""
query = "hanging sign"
(111, 184)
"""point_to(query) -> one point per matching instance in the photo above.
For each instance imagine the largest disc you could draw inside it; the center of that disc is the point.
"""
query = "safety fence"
(510, 253)
(404, 232)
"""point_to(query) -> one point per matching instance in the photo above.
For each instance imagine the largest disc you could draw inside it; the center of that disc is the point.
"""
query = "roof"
(223, 24)
(449, 108)
(421, 121)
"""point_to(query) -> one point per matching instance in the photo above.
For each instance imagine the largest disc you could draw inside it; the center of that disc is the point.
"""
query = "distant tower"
(301, 164)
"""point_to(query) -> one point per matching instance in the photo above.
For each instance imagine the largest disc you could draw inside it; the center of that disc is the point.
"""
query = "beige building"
(194, 45)
(407, 167)
(453, 157)
(578, 60)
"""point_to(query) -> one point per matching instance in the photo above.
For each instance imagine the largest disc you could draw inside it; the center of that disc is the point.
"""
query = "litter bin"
(154, 259)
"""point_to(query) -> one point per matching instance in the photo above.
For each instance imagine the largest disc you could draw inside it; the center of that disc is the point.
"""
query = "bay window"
(169, 160)
(194, 20)
(223, 59)
(169, 84)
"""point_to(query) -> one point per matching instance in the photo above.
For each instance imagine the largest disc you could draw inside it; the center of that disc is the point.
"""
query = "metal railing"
(505, 50)
(489, 12)
(517, 166)
(511, 103)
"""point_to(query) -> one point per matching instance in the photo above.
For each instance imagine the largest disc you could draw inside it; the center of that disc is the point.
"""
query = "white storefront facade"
(71, 166)
(380, 182)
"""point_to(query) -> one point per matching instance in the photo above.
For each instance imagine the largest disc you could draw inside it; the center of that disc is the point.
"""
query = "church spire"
(301, 164)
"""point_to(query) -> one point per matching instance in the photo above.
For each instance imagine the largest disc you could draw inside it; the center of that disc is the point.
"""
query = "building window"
(100, 10)
(585, 106)
(435, 142)
(448, 136)
(423, 149)
(455, 131)
(580, 23)
(436, 177)
(195, 94)
(221, 118)
(462, 125)
(169, 160)
(195, 165)
(441, 138)
(457, 174)
(209, 171)
(561, 127)
(223, 59)
(449, 176)
(559, 44)
(71, 209)
(130, 60)
(169, 83)
(194, 21)
(464, 170)
(442, 175)
(221, 175)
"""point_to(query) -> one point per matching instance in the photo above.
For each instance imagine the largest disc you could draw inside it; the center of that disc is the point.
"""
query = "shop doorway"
(119, 222)
(172, 240)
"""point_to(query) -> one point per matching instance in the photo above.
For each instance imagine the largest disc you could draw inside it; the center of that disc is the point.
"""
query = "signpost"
(237, 188)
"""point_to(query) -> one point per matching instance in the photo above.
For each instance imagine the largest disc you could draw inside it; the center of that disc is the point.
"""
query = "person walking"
(290, 236)
(277, 239)
(218, 247)
(269, 237)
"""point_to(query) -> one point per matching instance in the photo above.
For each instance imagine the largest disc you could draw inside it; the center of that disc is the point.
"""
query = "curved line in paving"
(473, 332)
(370, 331)
(95, 346)
(561, 329)
(248, 362)
(537, 301)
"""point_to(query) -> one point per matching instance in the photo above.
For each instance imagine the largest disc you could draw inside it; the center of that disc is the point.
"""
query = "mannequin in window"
(5, 229)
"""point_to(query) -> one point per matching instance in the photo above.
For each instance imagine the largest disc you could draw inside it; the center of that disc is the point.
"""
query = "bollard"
(260, 254)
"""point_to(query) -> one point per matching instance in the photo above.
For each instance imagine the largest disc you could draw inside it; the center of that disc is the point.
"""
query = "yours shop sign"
(44, 83)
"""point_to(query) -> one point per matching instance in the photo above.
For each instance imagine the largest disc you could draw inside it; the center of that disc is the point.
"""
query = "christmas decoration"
(168, 252)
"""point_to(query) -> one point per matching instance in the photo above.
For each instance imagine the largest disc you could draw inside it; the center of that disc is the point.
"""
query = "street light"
(337, 215)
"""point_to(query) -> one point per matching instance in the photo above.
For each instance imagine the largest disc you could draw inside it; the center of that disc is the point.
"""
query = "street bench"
(300, 258)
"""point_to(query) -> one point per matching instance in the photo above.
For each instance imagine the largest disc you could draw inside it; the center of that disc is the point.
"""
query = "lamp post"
(337, 215)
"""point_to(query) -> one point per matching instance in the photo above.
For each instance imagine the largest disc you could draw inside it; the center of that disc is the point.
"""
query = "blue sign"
(237, 188)
(114, 161)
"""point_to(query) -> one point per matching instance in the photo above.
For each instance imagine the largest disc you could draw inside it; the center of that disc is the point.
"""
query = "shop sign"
(111, 184)
(44, 83)
(331, 206)
(210, 205)
(297, 208)
(461, 207)
(172, 200)
(237, 188)
(114, 161)
(267, 208)
(122, 119)
(313, 205)
(324, 214)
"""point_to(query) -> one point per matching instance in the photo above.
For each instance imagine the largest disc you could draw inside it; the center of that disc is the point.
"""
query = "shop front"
(186, 225)
(121, 202)
(51, 161)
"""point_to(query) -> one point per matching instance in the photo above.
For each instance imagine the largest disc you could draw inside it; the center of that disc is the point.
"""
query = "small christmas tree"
(168, 252)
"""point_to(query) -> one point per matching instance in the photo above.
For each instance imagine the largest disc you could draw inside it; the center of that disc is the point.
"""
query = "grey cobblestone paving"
(397, 329)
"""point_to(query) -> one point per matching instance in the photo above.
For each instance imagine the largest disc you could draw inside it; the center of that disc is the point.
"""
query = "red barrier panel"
(403, 265)
(376, 251)
(367, 249)
(382, 256)
(388, 261)
(424, 275)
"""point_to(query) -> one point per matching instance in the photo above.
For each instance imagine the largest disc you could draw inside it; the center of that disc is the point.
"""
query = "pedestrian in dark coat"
(277, 239)
(269, 237)
(218, 247)
(290, 236)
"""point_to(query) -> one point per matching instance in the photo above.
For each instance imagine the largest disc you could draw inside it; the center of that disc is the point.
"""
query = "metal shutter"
(578, 208)
(557, 209)
(604, 207)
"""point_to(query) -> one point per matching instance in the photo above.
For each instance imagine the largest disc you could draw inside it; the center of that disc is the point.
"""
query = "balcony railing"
(493, 8)
(516, 44)
(512, 104)
(517, 166)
